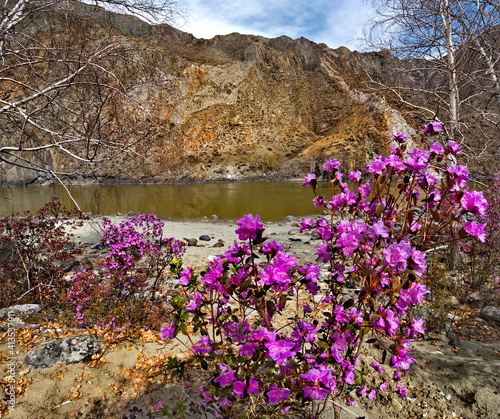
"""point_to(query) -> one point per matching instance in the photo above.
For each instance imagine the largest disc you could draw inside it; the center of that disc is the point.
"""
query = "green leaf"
(323, 344)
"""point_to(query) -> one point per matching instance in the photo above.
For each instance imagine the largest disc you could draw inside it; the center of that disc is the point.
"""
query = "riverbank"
(210, 236)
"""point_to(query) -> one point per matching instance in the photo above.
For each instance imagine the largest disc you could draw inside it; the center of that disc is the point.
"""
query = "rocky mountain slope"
(232, 107)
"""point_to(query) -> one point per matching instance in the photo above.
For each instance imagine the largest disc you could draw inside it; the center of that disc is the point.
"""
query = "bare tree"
(446, 63)
(64, 82)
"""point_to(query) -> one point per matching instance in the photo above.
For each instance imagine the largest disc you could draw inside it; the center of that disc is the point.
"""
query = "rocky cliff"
(232, 107)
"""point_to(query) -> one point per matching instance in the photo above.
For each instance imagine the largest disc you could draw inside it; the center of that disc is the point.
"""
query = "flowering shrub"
(484, 257)
(33, 250)
(277, 337)
(124, 292)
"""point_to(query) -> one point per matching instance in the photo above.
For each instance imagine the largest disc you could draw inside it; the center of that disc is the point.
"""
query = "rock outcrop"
(232, 107)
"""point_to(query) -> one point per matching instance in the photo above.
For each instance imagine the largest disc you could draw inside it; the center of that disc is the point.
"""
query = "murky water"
(272, 200)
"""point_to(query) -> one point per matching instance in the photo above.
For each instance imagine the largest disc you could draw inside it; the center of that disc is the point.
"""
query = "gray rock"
(452, 301)
(345, 298)
(475, 297)
(294, 232)
(68, 351)
(290, 218)
(452, 282)
(214, 217)
(20, 310)
(491, 313)
(191, 242)
(131, 214)
(204, 237)
(220, 243)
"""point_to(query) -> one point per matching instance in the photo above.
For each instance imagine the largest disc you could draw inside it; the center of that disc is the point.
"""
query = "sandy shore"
(284, 231)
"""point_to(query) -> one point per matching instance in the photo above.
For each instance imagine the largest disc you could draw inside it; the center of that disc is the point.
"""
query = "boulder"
(204, 237)
(70, 350)
(491, 313)
(20, 310)
(452, 301)
(475, 297)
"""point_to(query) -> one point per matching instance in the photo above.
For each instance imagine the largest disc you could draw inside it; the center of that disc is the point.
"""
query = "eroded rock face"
(233, 107)
(70, 350)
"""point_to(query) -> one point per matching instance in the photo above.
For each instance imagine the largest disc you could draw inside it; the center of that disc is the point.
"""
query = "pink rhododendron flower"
(365, 190)
(399, 137)
(275, 394)
(239, 389)
(355, 176)
(474, 202)
(195, 302)
(249, 227)
(418, 262)
(315, 393)
(331, 165)
(280, 350)
(226, 377)
(433, 128)
(253, 386)
(417, 327)
(310, 180)
(402, 391)
(453, 147)
(397, 255)
(168, 331)
(476, 230)
(436, 149)
(376, 167)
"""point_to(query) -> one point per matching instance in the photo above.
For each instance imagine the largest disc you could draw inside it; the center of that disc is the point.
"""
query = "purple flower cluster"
(249, 227)
(116, 294)
(369, 238)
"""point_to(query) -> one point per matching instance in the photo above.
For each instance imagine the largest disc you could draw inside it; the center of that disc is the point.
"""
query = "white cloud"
(333, 22)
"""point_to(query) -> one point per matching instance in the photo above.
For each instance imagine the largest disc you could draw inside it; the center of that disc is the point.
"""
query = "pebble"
(205, 237)
(447, 396)
(190, 241)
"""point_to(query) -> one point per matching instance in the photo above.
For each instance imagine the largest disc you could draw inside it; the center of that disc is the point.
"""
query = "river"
(272, 200)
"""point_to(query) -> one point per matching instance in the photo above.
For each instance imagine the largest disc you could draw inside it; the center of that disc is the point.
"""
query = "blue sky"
(333, 22)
